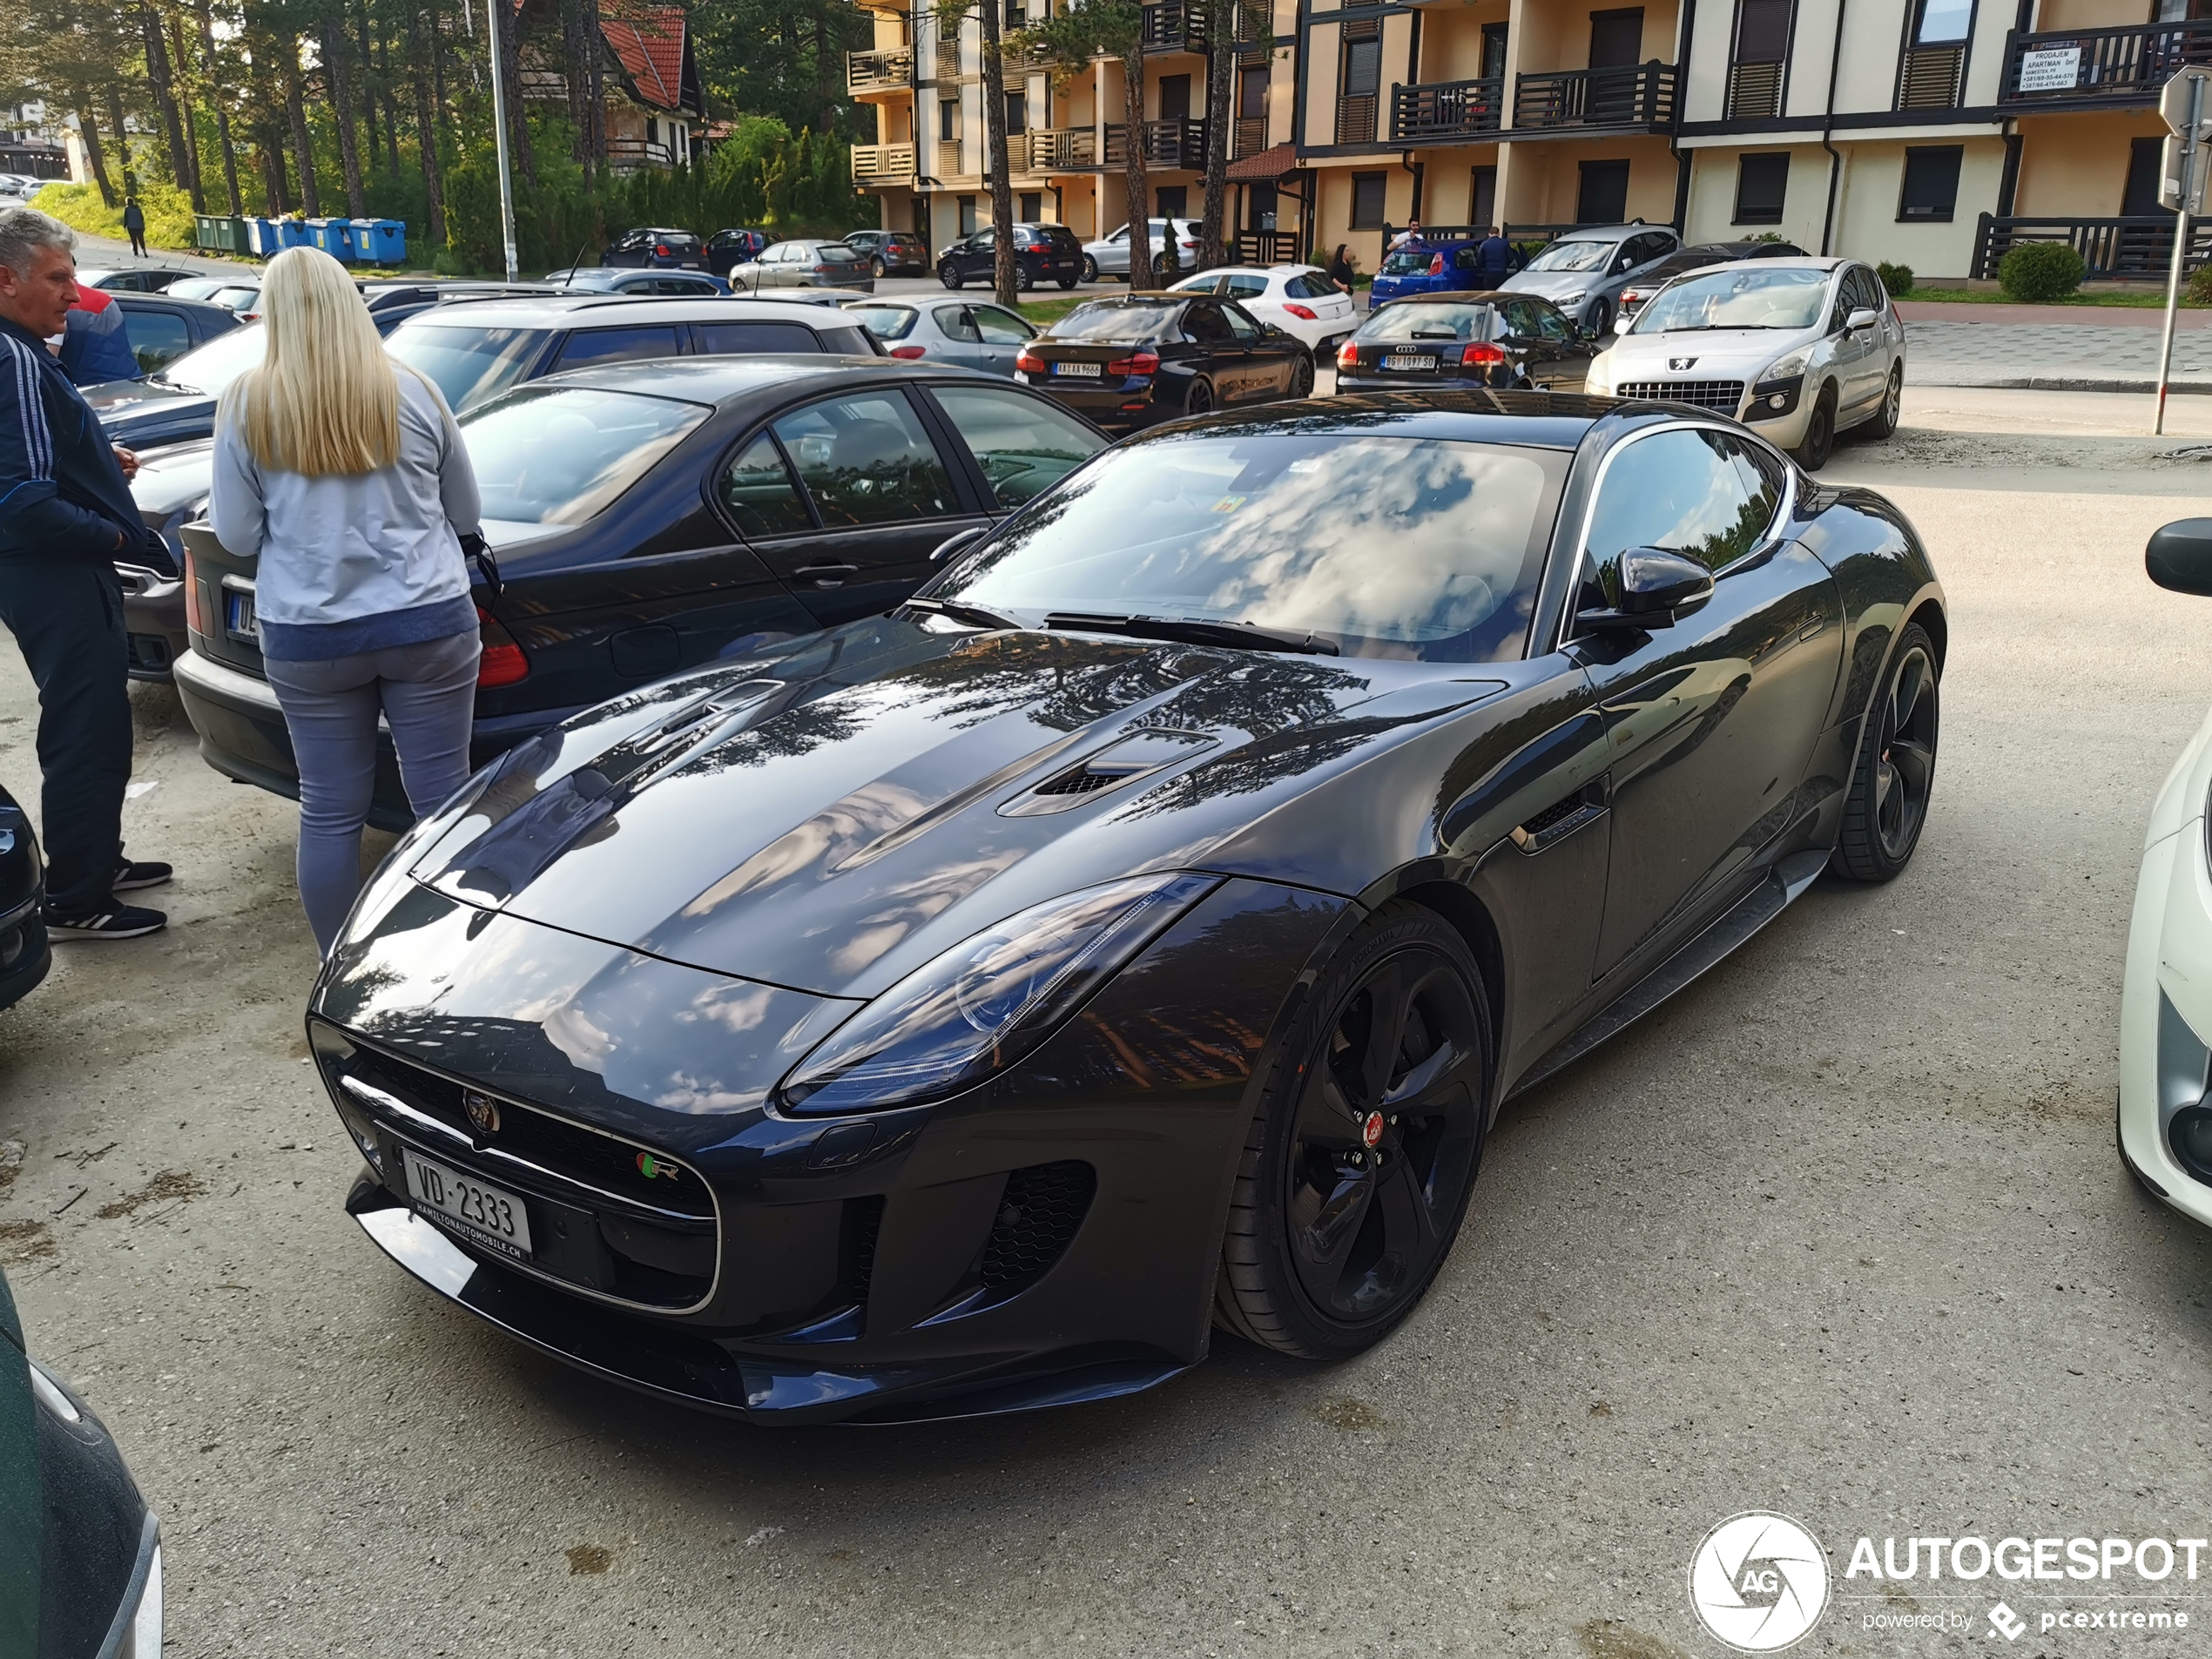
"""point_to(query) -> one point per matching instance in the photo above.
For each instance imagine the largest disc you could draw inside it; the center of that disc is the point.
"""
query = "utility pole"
(2181, 186)
(499, 131)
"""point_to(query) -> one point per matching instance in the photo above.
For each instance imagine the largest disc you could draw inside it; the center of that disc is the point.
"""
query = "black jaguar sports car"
(970, 1007)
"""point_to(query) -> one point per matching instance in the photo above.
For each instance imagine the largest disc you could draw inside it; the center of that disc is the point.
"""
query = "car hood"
(829, 821)
(118, 400)
(1714, 354)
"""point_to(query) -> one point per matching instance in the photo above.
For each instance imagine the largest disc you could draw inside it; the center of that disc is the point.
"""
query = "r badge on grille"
(1680, 363)
(483, 1111)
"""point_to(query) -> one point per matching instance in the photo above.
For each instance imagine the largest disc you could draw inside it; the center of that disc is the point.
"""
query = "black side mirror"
(2180, 556)
(1656, 585)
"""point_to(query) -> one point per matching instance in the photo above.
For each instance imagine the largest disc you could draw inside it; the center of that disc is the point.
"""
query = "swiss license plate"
(238, 621)
(1404, 359)
(1089, 370)
(484, 1214)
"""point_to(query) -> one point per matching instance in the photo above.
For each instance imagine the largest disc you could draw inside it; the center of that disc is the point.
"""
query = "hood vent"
(1138, 755)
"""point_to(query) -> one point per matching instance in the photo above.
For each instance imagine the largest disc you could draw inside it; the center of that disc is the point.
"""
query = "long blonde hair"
(326, 398)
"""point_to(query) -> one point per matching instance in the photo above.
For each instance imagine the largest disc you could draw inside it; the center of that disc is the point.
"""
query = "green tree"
(1110, 28)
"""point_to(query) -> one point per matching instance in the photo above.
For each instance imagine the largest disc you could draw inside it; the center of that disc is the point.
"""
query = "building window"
(949, 119)
(1932, 70)
(1252, 94)
(1359, 82)
(1602, 198)
(1931, 182)
(1943, 22)
(1762, 47)
(967, 215)
(1032, 205)
(1367, 190)
(1175, 97)
(1174, 201)
(1017, 111)
(1362, 63)
(1761, 183)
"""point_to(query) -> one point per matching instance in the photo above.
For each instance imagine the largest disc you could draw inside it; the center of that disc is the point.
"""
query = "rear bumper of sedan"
(1135, 403)
(1349, 383)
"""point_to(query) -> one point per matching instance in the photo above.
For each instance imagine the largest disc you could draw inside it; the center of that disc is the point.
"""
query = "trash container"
(334, 236)
(262, 239)
(292, 233)
(208, 231)
(380, 241)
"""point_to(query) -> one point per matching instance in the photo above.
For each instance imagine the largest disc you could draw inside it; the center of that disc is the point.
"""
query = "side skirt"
(1762, 904)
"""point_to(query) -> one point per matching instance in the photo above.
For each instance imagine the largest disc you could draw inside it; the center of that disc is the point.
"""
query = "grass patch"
(1041, 312)
(169, 220)
(2151, 300)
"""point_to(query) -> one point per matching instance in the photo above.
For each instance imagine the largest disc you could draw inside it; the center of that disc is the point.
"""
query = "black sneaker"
(130, 877)
(125, 921)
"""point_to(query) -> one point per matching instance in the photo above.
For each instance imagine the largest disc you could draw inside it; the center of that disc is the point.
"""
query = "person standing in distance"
(65, 517)
(134, 225)
(342, 470)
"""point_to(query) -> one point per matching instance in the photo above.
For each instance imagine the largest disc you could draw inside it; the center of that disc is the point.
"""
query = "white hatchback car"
(1798, 350)
(1298, 299)
(2165, 997)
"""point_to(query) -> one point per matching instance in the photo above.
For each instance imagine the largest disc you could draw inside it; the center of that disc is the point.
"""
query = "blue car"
(1425, 266)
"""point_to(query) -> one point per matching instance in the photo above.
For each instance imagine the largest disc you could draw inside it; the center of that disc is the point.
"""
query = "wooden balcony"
(1175, 26)
(1638, 98)
(883, 71)
(883, 164)
(1266, 247)
(1173, 145)
(2099, 68)
(2138, 248)
(1430, 111)
(627, 155)
(1020, 57)
(1061, 149)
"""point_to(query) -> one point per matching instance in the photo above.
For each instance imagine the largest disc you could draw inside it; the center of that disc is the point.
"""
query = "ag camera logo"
(1759, 1582)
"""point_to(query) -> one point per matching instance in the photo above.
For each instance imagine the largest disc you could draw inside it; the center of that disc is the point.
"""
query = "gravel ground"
(1839, 1232)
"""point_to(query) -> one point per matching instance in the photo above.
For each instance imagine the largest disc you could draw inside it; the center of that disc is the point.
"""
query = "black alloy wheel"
(1302, 377)
(1361, 1156)
(1886, 419)
(948, 273)
(1199, 398)
(1895, 772)
(1091, 269)
(1820, 432)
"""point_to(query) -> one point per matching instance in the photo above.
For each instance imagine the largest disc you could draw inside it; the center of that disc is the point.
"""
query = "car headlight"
(1599, 376)
(1778, 391)
(1569, 301)
(1789, 367)
(988, 1000)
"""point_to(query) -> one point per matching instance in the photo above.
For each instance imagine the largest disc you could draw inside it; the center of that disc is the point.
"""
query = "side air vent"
(1138, 755)
(1090, 775)
(1044, 1205)
(1560, 820)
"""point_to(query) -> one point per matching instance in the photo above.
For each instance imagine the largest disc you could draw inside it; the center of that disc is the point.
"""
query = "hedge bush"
(2038, 273)
(1897, 279)
(2200, 285)
(169, 221)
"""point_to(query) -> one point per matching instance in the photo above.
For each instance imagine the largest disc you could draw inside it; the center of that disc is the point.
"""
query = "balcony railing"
(1446, 110)
(1020, 57)
(2113, 66)
(1356, 118)
(1175, 25)
(1754, 92)
(882, 164)
(1266, 247)
(1931, 77)
(627, 154)
(2140, 247)
(1167, 143)
(878, 72)
(1062, 149)
(1637, 95)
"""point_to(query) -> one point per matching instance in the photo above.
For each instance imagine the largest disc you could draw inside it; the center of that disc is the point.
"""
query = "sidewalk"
(2070, 356)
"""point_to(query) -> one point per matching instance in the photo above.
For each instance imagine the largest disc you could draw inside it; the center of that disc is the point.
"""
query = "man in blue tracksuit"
(65, 517)
(1495, 259)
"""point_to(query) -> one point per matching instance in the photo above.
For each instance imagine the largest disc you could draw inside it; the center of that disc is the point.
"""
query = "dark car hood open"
(829, 821)
(127, 407)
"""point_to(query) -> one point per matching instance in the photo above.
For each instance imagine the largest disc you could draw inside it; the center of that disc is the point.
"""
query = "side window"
(1871, 296)
(758, 491)
(1688, 491)
(1001, 327)
(1463, 258)
(1240, 325)
(958, 322)
(866, 459)
(158, 337)
(616, 346)
(1024, 444)
(1247, 287)
(1204, 324)
(1520, 319)
(1554, 326)
(727, 339)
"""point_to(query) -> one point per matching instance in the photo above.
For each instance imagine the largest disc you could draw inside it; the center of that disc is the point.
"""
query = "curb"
(2069, 383)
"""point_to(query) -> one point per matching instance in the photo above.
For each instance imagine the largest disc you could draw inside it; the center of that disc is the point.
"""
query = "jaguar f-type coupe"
(969, 1007)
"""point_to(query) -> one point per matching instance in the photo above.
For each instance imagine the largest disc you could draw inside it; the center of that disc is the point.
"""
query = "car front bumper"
(2168, 979)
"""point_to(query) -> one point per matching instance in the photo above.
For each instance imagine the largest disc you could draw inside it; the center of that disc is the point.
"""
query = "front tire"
(1894, 774)
(1600, 318)
(1361, 1156)
(947, 275)
(877, 269)
(1819, 441)
(1091, 269)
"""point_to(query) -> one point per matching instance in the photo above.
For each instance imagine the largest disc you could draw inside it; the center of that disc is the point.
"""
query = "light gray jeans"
(427, 694)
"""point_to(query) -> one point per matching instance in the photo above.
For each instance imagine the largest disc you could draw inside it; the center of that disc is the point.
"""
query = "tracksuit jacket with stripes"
(61, 494)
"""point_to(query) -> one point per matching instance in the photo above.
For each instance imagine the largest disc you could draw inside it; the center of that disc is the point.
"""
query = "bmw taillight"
(910, 352)
(1307, 312)
(1347, 356)
(503, 662)
(1029, 363)
(1436, 266)
(1144, 362)
(193, 620)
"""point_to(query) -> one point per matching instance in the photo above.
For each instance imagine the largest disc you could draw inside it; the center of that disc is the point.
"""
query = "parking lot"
(1839, 1232)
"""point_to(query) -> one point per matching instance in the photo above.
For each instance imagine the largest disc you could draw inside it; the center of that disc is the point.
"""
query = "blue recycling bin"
(292, 233)
(262, 237)
(380, 241)
(334, 237)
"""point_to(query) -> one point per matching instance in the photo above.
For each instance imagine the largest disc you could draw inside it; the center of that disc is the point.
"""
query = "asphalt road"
(1839, 1232)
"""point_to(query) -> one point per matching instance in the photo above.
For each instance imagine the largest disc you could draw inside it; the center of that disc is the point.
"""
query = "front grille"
(1044, 1205)
(1724, 395)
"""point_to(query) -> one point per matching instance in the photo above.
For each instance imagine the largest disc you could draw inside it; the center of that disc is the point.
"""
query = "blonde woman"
(345, 473)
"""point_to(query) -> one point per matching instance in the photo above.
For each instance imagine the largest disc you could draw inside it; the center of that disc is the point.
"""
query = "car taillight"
(503, 662)
(910, 352)
(1144, 362)
(1347, 356)
(1029, 363)
(1487, 356)
(1436, 266)
(660, 250)
(193, 619)
(1307, 312)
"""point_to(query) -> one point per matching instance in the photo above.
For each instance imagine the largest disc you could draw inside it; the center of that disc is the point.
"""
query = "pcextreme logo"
(1759, 1582)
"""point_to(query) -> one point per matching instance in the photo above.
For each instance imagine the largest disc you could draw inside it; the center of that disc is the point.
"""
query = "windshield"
(1114, 322)
(885, 322)
(215, 364)
(469, 365)
(1759, 298)
(1427, 322)
(1387, 546)
(1573, 256)
(556, 455)
(1409, 261)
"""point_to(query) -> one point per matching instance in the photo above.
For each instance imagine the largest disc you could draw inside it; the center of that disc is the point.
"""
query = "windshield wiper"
(959, 610)
(1243, 636)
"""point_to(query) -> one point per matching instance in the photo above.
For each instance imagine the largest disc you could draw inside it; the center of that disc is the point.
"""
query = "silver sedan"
(947, 331)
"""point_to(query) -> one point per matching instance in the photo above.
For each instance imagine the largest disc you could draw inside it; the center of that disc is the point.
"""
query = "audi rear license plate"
(1089, 370)
(479, 1211)
(1404, 359)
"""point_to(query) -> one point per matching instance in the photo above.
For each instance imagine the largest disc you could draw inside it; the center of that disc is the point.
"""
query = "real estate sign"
(2051, 69)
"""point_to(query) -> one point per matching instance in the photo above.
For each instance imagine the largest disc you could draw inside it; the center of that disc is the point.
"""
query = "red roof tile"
(650, 42)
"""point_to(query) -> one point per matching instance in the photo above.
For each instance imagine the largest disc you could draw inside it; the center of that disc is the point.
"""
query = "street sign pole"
(2189, 188)
(507, 183)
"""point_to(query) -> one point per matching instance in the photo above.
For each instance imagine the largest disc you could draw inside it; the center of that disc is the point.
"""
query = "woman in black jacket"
(1340, 269)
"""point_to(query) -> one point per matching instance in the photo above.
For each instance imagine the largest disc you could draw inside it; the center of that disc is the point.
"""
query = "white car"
(1796, 349)
(2165, 995)
(1109, 256)
(1298, 299)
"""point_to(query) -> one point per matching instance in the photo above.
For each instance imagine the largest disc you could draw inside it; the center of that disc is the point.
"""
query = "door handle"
(827, 576)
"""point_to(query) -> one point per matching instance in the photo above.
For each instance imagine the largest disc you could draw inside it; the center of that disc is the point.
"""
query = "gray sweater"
(359, 563)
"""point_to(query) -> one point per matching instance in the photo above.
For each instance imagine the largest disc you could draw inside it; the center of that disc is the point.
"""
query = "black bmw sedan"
(1133, 362)
(970, 1007)
(658, 516)
(1465, 340)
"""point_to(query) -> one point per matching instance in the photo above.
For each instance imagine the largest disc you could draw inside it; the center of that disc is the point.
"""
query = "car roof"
(718, 379)
(1536, 420)
(559, 310)
(1609, 232)
(131, 300)
(1456, 296)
